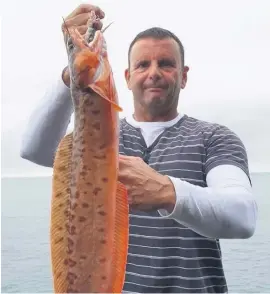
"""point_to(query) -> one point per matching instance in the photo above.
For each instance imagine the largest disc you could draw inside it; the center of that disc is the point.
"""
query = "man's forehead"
(149, 46)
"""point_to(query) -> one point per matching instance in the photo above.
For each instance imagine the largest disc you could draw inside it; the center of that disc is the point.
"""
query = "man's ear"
(184, 77)
(127, 77)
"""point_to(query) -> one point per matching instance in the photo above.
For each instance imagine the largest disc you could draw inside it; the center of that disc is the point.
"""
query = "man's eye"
(143, 64)
(166, 63)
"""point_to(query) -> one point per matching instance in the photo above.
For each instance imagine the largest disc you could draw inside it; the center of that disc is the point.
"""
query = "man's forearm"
(224, 209)
(47, 125)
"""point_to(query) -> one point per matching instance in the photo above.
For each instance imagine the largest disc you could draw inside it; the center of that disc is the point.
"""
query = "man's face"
(156, 75)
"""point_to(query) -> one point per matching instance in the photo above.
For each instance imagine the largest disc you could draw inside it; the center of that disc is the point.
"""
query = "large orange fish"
(89, 209)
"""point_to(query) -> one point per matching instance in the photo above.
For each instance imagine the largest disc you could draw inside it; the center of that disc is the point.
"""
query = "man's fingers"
(78, 20)
(98, 25)
(86, 8)
(82, 29)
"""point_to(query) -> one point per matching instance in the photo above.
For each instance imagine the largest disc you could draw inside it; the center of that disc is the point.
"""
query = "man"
(188, 180)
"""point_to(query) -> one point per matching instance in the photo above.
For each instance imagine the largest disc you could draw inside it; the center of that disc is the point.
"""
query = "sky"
(226, 45)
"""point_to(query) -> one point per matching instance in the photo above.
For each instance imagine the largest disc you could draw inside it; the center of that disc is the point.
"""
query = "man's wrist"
(168, 195)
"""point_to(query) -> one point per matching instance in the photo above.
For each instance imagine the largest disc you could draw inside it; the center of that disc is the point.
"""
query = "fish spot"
(83, 173)
(103, 241)
(95, 112)
(85, 205)
(69, 246)
(82, 219)
(105, 180)
(59, 228)
(71, 229)
(104, 278)
(83, 150)
(100, 156)
(101, 230)
(66, 213)
(59, 240)
(96, 126)
(96, 190)
(70, 242)
(58, 275)
(62, 168)
(71, 277)
(58, 195)
(102, 212)
(68, 190)
(85, 192)
(102, 146)
(70, 262)
(102, 260)
(83, 257)
(61, 204)
(77, 194)
(100, 205)
(73, 206)
(89, 184)
(89, 102)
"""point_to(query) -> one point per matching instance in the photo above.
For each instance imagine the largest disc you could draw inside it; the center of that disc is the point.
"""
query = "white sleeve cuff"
(182, 191)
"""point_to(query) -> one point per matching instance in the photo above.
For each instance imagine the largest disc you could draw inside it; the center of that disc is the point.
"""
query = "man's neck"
(146, 117)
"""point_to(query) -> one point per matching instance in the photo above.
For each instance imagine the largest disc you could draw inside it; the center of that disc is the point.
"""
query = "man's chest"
(179, 156)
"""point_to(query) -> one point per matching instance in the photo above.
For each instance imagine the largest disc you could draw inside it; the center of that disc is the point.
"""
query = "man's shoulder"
(203, 126)
(210, 131)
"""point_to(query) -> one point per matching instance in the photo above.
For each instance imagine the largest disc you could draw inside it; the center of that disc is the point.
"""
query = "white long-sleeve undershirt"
(226, 208)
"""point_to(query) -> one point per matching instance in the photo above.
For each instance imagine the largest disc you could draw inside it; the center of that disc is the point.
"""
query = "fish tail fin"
(121, 233)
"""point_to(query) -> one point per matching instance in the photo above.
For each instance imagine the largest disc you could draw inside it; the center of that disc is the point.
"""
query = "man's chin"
(154, 98)
(155, 103)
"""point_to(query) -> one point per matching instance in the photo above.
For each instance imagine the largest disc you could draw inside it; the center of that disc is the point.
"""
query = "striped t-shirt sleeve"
(225, 147)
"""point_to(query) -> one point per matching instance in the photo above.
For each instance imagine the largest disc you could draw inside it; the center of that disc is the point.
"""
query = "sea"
(25, 240)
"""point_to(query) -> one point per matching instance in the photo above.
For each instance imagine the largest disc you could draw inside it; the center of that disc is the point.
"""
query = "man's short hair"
(158, 34)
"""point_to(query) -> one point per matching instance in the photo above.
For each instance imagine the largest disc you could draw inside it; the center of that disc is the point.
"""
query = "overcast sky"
(226, 44)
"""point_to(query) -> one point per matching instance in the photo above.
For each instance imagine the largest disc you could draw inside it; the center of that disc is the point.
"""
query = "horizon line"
(46, 175)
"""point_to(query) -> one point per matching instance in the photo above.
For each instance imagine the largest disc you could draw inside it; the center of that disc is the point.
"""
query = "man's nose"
(154, 72)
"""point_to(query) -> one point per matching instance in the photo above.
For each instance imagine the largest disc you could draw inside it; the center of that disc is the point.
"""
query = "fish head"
(85, 57)
(89, 66)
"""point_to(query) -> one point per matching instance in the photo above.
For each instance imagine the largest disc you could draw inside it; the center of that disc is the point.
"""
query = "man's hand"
(147, 189)
(79, 17)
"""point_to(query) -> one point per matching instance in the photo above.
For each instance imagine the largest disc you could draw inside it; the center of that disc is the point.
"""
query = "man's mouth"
(155, 89)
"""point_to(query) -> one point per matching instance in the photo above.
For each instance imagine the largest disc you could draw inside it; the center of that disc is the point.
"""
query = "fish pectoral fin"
(101, 93)
(121, 234)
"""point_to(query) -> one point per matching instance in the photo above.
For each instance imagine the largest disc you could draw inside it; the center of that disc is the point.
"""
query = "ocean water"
(26, 252)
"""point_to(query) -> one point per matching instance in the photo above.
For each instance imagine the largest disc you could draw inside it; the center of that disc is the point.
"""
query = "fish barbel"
(89, 207)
